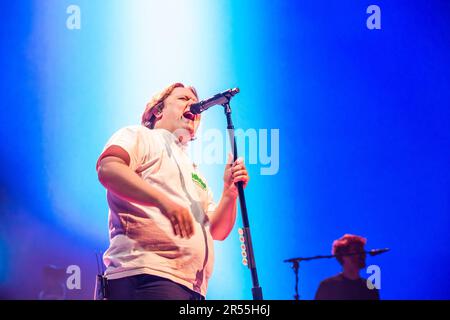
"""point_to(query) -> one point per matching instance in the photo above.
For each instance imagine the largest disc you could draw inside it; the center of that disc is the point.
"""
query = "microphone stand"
(296, 263)
(256, 290)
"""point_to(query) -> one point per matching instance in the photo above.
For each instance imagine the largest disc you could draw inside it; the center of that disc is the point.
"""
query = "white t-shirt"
(142, 240)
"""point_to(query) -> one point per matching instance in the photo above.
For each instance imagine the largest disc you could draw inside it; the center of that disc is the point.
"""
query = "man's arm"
(116, 175)
(224, 217)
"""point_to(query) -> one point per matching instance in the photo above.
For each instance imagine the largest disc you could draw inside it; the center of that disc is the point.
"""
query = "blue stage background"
(363, 118)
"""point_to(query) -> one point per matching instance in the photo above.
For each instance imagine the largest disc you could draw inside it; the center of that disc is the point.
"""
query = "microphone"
(375, 252)
(220, 98)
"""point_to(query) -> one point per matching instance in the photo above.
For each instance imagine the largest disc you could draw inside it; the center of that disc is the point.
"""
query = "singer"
(348, 285)
(162, 217)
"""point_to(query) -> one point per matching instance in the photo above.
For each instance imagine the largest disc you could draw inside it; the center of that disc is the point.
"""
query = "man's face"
(176, 115)
(357, 261)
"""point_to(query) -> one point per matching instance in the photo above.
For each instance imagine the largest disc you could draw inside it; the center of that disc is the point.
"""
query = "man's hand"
(179, 217)
(234, 172)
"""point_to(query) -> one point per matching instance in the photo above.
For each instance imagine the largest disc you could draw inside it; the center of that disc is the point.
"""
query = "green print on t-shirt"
(198, 181)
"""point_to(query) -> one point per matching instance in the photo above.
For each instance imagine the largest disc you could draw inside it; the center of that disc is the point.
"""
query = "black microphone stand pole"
(256, 290)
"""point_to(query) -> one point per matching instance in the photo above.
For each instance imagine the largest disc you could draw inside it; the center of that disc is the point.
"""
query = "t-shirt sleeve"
(132, 141)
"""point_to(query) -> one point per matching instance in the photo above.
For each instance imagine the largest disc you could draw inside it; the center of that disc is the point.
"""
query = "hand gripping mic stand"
(256, 290)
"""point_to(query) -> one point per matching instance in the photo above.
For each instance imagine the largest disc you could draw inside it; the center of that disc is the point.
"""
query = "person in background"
(348, 284)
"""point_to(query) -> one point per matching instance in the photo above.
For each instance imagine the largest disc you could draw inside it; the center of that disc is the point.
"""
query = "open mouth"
(189, 115)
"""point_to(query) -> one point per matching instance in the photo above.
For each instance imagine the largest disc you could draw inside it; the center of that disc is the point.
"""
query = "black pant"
(149, 287)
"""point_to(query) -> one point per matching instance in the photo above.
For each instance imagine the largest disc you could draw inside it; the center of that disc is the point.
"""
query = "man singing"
(162, 218)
